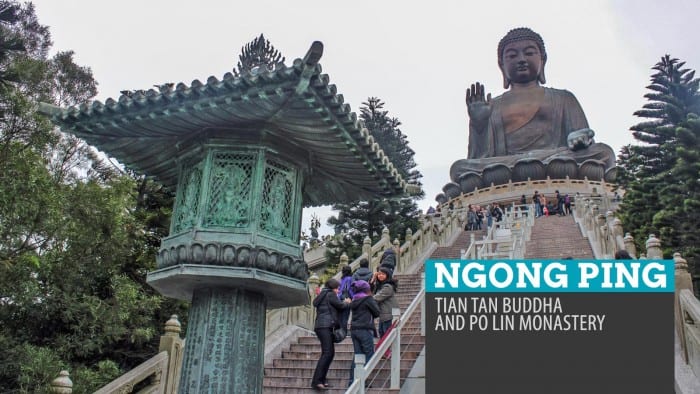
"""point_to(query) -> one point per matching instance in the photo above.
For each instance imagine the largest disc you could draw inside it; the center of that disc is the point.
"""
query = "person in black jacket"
(364, 310)
(363, 273)
(327, 306)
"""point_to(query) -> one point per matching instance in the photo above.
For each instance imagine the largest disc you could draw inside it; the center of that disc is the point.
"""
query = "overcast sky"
(419, 57)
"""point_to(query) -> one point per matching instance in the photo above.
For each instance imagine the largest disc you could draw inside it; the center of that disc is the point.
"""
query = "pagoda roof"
(288, 105)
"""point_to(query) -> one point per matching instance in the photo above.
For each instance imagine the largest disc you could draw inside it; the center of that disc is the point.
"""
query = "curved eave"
(295, 104)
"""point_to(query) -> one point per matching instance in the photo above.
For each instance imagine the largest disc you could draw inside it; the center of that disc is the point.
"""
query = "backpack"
(345, 290)
(389, 259)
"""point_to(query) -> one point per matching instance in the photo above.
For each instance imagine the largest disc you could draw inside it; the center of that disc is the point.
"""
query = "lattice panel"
(229, 190)
(278, 190)
(188, 193)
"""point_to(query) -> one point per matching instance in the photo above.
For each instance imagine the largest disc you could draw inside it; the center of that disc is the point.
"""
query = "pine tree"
(653, 175)
(356, 221)
(679, 214)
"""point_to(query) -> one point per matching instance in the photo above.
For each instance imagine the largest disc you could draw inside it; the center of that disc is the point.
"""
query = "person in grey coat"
(385, 288)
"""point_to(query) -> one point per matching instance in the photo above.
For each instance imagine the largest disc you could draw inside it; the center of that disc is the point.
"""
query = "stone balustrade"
(605, 235)
(161, 372)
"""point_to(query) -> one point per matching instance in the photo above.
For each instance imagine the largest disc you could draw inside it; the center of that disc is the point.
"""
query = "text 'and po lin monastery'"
(247, 152)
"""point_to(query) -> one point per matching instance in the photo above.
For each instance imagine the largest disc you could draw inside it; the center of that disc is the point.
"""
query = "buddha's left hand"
(580, 139)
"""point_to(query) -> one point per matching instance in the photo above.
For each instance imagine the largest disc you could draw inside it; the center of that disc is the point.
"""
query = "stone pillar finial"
(610, 216)
(343, 260)
(62, 384)
(617, 226)
(629, 245)
(409, 233)
(313, 282)
(600, 218)
(173, 326)
(367, 247)
(681, 264)
(654, 247)
(385, 234)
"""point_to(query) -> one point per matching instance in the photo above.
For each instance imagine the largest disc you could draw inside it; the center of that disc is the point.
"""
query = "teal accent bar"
(592, 276)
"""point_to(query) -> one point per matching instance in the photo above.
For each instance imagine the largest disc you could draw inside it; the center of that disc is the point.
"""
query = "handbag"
(339, 333)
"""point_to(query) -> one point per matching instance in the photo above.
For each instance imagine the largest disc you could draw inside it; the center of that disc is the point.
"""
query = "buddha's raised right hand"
(478, 104)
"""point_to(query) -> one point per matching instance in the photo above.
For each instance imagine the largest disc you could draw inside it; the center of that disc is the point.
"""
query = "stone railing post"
(62, 384)
(654, 248)
(397, 251)
(472, 239)
(367, 248)
(343, 261)
(629, 245)
(411, 250)
(314, 283)
(428, 231)
(594, 215)
(683, 281)
(602, 233)
(172, 343)
(386, 237)
(591, 212)
(360, 371)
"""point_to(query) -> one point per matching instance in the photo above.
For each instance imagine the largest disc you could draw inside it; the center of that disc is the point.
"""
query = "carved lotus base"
(527, 169)
(594, 170)
(561, 168)
(470, 181)
(216, 253)
(496, 174)
(451, 190)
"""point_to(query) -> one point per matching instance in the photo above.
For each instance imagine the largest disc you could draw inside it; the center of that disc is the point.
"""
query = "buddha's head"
(521, 57)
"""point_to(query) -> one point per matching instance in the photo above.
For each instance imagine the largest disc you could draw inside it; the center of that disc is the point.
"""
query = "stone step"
(336, 377)
(292, 371)
(341, 361)
(300, 390)
(461, 242)
(557, 237)
(309, 348)
(310, 351)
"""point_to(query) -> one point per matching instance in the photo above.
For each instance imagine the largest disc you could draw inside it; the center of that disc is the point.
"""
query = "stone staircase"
(292, 372)
(460, 243)
(557, 237)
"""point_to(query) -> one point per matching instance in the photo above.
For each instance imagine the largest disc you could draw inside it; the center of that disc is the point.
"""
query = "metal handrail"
(393, 340)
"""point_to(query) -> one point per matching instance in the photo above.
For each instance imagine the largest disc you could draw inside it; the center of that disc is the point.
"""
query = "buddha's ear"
(541, 77)
(506, 81)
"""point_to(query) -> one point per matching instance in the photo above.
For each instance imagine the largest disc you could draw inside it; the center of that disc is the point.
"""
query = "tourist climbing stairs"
(292, 372)
(557, 237)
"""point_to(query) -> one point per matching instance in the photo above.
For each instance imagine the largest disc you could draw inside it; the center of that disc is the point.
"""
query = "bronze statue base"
(527, 169)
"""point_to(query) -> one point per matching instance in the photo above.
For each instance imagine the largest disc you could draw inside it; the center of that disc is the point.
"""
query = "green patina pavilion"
(244, 154)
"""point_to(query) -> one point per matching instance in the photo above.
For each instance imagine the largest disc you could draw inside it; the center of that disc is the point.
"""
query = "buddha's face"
(522, 61)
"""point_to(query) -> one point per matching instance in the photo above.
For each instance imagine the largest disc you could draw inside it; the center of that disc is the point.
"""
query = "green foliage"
(660, 175)
(37, 368)
(77, 234)
(358, 220)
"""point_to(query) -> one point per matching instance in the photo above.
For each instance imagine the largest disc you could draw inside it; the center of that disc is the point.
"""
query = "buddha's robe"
(543, 137)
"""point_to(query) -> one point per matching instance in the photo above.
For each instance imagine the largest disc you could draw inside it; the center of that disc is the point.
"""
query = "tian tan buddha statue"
(529, 131)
